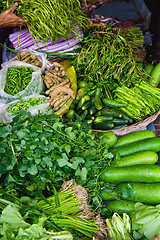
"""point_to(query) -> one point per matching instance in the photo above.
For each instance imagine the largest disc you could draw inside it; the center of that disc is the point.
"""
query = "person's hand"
(9, 19)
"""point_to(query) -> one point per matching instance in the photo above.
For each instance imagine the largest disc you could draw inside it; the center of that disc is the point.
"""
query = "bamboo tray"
(134, 127)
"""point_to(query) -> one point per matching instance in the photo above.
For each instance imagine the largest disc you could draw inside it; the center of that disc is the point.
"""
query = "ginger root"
(60, 89)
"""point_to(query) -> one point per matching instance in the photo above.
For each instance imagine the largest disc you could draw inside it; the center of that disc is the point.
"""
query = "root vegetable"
(55, 86)
(64, 89)
(60, 102)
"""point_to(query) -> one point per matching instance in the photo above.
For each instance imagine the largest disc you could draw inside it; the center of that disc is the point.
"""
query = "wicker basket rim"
(132, 128)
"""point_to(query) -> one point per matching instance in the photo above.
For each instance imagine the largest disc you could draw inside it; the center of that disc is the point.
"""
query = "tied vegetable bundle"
(67, 212)
(51, 19)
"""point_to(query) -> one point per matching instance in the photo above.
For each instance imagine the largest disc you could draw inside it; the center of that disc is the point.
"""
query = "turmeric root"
(64, 89)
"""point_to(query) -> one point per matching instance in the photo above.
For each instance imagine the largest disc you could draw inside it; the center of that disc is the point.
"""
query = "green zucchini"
(121, 206)
(133, 137)
(112, 103)
(147, 193)
(119, 121)
(137, 173)
(110, 112)
(150, 144)
(155, 76)
(144, 157)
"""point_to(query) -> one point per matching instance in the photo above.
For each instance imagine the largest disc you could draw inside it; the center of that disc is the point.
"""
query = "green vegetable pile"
(26, 104)
(17, 79)
(51, 19)
(35, 150)
(108, 58)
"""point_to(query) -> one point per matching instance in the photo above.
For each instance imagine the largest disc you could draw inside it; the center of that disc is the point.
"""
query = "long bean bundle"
(51, 19)
(141, 101)
(107, 57)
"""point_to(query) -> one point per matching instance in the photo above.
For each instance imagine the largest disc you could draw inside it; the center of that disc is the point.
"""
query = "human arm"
(9, 19)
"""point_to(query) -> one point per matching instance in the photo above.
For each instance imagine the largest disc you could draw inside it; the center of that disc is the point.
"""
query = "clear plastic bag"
(42, 57)
(35, 86)
(7, 116)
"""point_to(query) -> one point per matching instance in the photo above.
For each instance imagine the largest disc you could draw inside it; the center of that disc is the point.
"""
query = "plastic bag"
(35, 86)
(6, 114)
(8, 57)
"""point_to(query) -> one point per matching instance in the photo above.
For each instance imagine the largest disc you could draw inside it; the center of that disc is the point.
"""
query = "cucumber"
(133, 137)
(155, 76)
(144, 157)
(150, 144)
(89, 122)
(82, 101)
(109, 112)
(120, 126)
(102, 119)
(108, 194)
(112, 103)
(149, 68)
(147, 193)
(98, 103)
(92, 110)
(103, 125)
(84, 114)
(81, 93)
(125, 116)
(137, 173)
(121, 206)
(86, 105)
(119, 121)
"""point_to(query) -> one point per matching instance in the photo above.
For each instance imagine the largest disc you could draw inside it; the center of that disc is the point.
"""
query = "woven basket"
(134, 127)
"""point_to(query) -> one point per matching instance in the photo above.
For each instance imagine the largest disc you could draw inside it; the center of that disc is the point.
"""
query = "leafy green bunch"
(44, 148)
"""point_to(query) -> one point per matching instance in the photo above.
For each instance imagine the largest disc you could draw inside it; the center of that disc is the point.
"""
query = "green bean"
(17, 79)
(14, 108)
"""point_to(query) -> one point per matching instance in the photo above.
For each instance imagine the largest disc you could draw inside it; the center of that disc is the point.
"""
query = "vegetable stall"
(73, 93)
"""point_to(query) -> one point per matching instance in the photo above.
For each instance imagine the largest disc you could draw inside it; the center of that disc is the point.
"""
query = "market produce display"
(64, 173)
